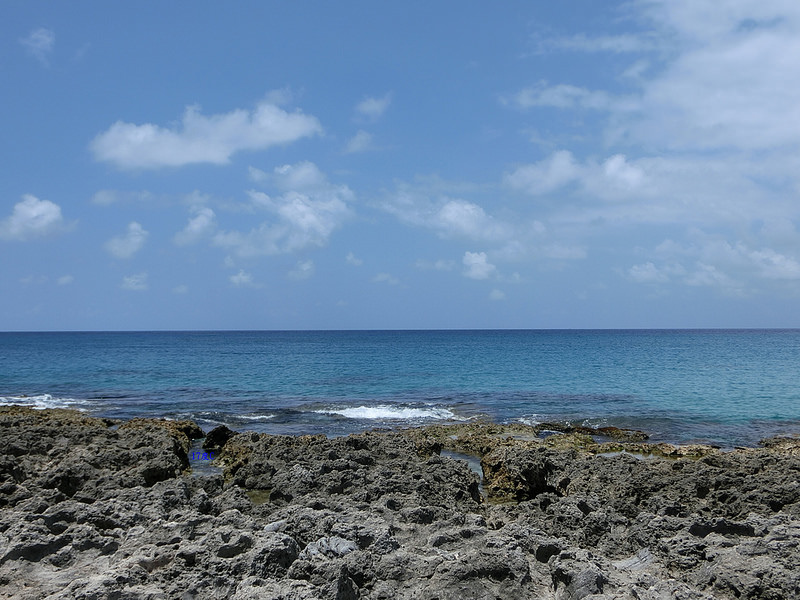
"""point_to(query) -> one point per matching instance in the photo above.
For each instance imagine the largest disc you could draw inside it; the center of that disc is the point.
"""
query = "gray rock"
(328, 547)
(94, 512)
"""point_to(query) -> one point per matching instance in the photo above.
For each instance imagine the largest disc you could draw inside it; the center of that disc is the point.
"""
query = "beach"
(148, 508)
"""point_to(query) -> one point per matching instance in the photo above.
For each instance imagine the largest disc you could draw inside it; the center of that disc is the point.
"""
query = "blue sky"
(338, 165)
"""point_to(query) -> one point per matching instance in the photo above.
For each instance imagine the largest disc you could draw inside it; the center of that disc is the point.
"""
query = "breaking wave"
(42, 401)
(387, 413)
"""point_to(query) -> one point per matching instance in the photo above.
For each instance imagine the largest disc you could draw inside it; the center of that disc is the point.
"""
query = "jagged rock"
(90, 511)
(218, 437)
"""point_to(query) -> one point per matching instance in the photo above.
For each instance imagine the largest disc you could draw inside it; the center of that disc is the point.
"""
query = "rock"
(328, 547)
(217, 438)
(94, 512)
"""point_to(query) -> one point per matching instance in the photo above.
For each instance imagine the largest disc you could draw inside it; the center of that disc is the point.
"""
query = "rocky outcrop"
(90, 508)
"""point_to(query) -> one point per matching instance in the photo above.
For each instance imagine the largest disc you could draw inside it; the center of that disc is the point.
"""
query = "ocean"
(723, 387)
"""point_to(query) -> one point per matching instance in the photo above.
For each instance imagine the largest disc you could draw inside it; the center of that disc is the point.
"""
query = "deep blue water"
(727, 387)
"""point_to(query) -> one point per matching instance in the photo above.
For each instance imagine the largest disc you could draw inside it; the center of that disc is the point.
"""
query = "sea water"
(725, 387)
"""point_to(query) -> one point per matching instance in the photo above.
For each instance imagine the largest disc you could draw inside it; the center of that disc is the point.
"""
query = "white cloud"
(516, 237)
(180, 289)
(386, 278)
(701, 125)
(305, 215)
(723, 77)
(31, 218)
(449, 217)
(738, 91)
(108, 197)
(658, 190)
(352, 259)
(125, 246)
(438, 265)
(360, 142)
(200, 226)
(615, 44)
(560, 96)
(257, 175)
(773, 265)
(709, 275)
(201, 139)
(476, 265)
(619, 172)
(135, 283)
(33, 280)
(39, 44)
(497, 295)
(65, 280)
(303, 270)
(647, 273)
(304, 176)
(373, 108)
(547, 175)
(734, 267)
(242, 279)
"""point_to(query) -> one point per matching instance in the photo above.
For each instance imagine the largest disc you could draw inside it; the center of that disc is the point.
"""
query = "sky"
(378, 165)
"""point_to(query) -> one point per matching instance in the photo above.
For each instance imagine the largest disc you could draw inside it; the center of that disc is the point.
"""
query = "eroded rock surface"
(90, 509)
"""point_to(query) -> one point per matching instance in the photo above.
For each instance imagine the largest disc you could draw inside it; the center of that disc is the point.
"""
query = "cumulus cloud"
(128, 244)
(304, 176)
(709, 121)
(709, 275)
(449, 217)
(242, 279)
(201, 139)
(614, 178)
(360, 142)
(303, 270)
(39, 43)
(135, 283)
(723, 77)
(547, 175)
(200, 226)
(477, 266)
(621, 190)
(731, 82)
(560, 96)
(306, 214)
(711, 261)
(31, 218)
(352, 259)
(647, 273)
(516, 237)
(373, 108)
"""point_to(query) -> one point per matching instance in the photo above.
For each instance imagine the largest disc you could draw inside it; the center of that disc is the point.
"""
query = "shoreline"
(745, 435)
(94, 507)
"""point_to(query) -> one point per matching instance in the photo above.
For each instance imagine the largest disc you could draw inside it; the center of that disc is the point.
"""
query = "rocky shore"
(92, 508)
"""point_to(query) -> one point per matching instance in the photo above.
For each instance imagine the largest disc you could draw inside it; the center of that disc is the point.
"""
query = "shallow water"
(725, 387)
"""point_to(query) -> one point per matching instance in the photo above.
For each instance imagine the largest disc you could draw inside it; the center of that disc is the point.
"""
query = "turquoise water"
(727, 387)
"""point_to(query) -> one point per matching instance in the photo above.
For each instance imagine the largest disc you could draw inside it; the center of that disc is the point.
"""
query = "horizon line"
(400, 329)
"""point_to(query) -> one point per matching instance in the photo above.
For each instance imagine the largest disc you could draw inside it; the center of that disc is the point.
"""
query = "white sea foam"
(385, 412)
(531, 420)
(256, 417)
(42, 401)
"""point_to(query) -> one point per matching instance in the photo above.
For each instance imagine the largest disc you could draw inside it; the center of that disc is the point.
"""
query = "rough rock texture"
(91, 510)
